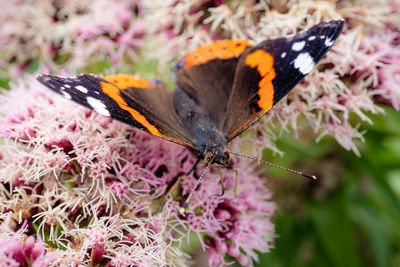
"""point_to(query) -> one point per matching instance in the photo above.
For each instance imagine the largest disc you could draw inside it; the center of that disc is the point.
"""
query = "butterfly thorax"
(209, 141)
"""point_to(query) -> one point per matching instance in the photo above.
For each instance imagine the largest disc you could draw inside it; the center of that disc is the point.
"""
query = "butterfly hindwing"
(267, 72)
(146, 105)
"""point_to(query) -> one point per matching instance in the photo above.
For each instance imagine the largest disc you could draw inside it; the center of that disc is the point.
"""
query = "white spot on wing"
(66, 95)
(304, 63)
(297, 46)
(328, 42)
(82, 89)
(67, 85)
(283, 55)
(311, 38)
(98, 106)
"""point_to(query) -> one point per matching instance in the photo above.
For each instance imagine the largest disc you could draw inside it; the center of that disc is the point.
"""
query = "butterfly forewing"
(146, 105)
(267, 72)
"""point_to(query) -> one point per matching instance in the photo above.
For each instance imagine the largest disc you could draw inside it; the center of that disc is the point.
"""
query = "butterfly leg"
(236, 180)
(222, 181)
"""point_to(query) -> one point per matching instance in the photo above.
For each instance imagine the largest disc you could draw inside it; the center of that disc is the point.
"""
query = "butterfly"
(222, 88)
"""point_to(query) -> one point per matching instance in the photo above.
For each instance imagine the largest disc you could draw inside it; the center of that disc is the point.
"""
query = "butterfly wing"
(207, 74)
(146, 105)
(268, 71)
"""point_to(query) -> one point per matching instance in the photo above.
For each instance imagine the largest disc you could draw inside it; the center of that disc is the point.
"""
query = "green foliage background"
(351, 215)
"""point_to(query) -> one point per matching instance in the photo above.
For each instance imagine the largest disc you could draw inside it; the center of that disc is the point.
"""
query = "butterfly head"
(217, 156)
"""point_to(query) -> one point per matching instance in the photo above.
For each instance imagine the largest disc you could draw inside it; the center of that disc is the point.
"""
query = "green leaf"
(62, 58)
(374, 230)
(33, 66)
(335, 233)
(70, 185)
(4, 83)
(394, 181)
(45, 238)
(97, 67)
(148, 69)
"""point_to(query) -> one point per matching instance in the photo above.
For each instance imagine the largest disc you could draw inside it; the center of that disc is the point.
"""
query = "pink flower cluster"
(95, 189)
(75, 31)
(19, 249)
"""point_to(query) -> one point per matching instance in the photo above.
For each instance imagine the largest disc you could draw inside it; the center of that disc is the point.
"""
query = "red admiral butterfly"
(222, 89)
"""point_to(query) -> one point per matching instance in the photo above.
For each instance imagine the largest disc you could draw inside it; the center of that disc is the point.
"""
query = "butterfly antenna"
(186, 203)
(309, 176)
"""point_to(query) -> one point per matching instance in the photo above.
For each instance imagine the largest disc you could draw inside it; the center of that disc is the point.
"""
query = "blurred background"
(350, 216)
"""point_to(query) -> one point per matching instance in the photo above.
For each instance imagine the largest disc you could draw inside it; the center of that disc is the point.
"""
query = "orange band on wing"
(224, 49)
(113, 92)
(124, 81)
(264, 63)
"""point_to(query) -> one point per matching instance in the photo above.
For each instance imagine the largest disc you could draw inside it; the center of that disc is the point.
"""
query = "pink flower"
(17, 249)
(384, 48)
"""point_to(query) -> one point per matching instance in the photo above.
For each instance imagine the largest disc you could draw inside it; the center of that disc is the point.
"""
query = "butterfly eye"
(227, 155)
(209, 157)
